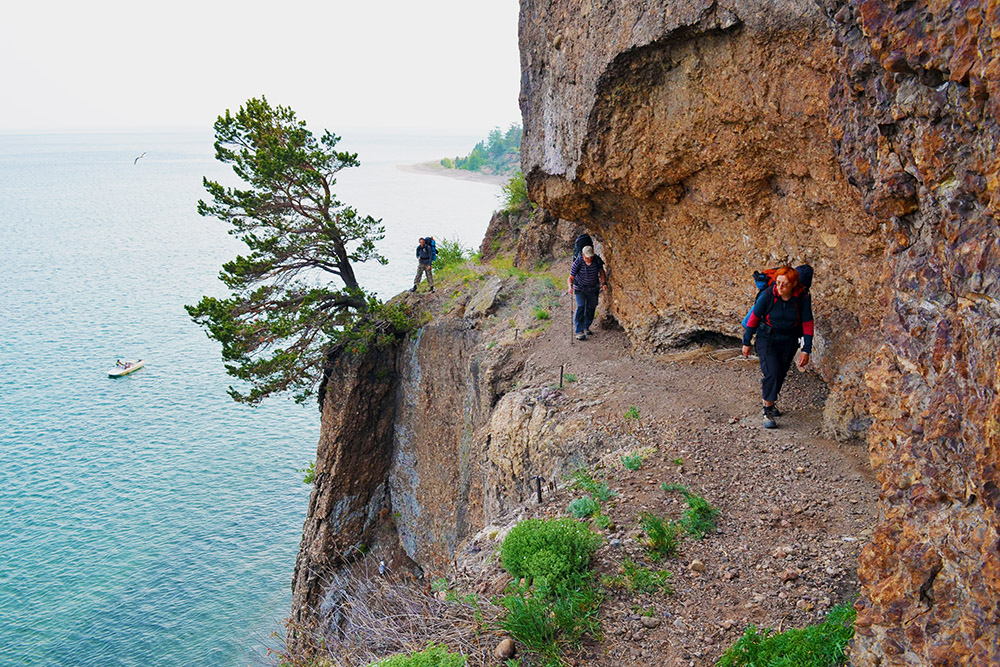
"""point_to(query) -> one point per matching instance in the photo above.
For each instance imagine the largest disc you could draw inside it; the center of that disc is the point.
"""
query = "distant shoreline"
(435, 169)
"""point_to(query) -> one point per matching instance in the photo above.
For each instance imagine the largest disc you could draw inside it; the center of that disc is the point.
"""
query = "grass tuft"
(699, 517)
(632, 461)
(661, 535)
(582, 479)
(636, 577)
(547, 621)
(435, 655)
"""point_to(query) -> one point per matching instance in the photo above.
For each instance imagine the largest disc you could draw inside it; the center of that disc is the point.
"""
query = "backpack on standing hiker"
(582, 241)
(764, 280)
(433, 246)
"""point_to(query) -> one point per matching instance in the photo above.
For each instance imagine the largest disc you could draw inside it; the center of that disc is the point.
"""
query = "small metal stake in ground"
(538, 487)
(561, 367)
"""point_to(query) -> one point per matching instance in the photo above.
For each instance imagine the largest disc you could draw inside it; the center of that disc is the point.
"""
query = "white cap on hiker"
(588, 251)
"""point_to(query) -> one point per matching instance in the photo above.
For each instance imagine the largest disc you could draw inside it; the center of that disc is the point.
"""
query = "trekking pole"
(572, 319)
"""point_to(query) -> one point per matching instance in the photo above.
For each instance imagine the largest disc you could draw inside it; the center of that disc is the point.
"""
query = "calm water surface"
(149, 520)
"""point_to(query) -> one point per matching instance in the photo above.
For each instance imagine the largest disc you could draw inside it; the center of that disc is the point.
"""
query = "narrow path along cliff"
(445, 466)
(795, 507)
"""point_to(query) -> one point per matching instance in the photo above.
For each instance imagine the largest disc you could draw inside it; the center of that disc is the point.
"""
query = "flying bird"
(136, 161)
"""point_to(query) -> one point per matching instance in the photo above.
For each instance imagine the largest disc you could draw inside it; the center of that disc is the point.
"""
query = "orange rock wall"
(695, 143)
(701, 140)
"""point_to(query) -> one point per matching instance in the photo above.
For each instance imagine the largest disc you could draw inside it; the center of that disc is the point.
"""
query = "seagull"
(136, 161)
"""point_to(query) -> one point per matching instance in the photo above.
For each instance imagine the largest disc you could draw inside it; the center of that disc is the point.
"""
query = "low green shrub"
(435, 655)
(548, 549)
(514, 193)
(662, 535)
(540, 313)
(820, 645)
(450, 253)
(569, 377)
(632, 461)
(581, 508)
(699, 517)
(632, 412)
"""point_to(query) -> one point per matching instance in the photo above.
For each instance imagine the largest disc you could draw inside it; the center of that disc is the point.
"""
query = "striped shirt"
(587, 277)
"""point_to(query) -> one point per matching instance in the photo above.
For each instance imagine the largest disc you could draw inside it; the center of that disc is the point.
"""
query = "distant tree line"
(499, 153)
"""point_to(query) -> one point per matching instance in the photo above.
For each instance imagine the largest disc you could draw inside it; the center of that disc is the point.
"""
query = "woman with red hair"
(780, 317)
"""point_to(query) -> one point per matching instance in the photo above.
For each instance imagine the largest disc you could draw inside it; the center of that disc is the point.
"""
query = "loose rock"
(506, 649)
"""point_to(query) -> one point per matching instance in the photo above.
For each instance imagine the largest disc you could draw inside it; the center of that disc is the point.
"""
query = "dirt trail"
(795, 508)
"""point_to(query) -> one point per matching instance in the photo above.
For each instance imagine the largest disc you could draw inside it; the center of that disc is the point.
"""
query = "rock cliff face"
(701, 140)
(425, 442)
(694, 139)
(350, 488)
(915, 103)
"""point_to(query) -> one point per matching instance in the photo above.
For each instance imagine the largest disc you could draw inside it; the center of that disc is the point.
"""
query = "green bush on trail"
(549, 549)
(820, 645)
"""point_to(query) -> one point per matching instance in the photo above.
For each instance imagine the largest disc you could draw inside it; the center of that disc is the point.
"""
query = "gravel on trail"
(794, 507)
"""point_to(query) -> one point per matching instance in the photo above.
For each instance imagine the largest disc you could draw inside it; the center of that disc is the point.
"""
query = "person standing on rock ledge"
(780, 316)
(586, 279)
(424, 259)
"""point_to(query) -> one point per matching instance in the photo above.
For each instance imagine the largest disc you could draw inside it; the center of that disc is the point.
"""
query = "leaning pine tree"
(294, 296)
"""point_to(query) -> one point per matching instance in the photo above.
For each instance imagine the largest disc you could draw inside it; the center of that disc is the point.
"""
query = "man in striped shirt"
(586, 280)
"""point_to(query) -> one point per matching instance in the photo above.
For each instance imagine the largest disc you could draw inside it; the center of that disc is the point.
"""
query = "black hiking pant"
(776, 353)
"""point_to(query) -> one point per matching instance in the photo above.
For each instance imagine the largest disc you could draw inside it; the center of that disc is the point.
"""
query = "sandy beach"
(435, 168)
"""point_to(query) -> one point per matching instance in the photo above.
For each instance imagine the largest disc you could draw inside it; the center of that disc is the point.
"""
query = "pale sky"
(435, 65)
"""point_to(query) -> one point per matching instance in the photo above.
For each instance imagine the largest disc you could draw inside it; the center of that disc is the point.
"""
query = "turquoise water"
(149, 520)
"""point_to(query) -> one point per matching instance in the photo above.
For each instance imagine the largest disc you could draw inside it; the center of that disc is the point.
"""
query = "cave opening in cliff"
(707, 338)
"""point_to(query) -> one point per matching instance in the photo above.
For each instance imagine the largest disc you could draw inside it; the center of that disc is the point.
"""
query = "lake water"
(149, 520)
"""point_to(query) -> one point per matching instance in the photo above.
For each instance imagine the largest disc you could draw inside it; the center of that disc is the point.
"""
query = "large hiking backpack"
(582, 241)
(434, 249)
(764, 280)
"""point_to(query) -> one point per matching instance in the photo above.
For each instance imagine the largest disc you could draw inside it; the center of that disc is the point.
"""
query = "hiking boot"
(432, 289)
(581, 336)
(775, 411)
(589, 332)
(769, 417)
(413, 289)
